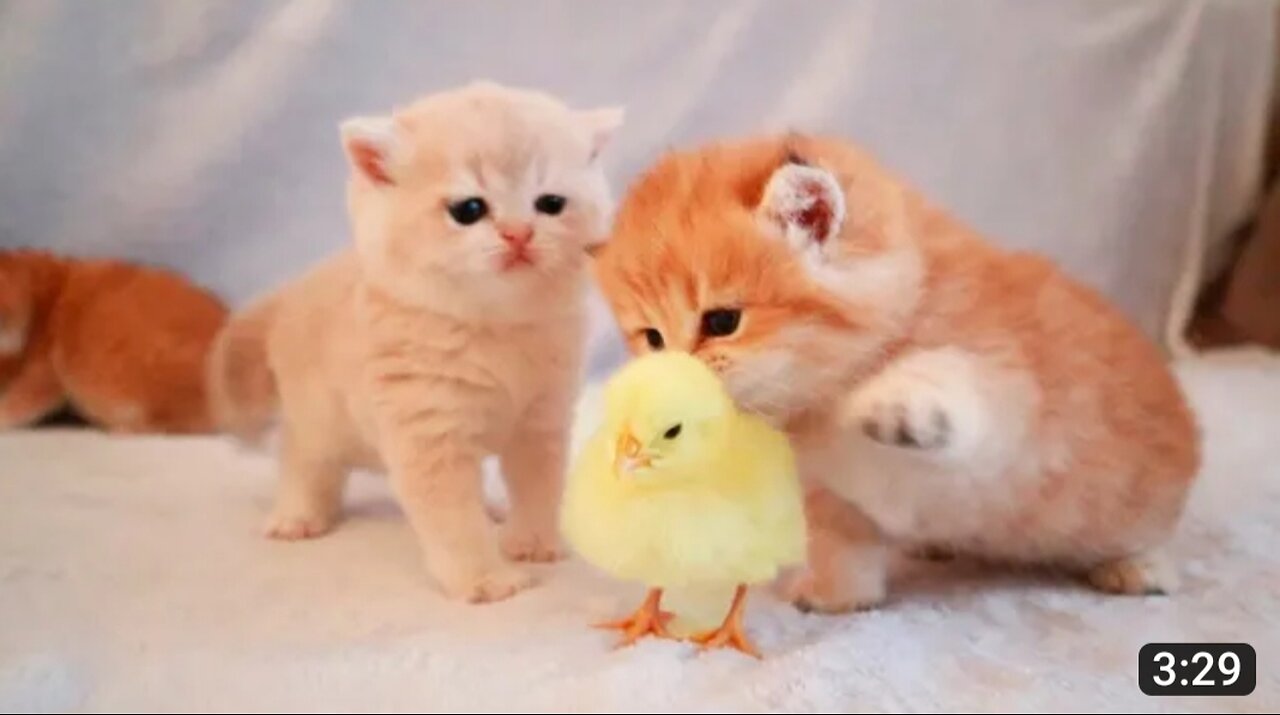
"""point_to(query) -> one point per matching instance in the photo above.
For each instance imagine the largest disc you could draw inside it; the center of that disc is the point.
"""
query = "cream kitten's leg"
(533, 465)
(1147, 573)
(438, 484)
(309, 495)
(945, 404)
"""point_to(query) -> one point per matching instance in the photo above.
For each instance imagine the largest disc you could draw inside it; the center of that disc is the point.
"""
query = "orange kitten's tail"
(242, 388)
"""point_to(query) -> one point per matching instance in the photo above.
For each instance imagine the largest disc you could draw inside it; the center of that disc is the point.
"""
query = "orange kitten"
(952, 394)
(121, 344)
(451, 330)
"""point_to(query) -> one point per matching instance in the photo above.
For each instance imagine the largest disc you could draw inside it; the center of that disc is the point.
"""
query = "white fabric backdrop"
(1116, 137)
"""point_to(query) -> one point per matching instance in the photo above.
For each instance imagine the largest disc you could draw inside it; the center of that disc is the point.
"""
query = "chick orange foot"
(730, 634)
(648, 620)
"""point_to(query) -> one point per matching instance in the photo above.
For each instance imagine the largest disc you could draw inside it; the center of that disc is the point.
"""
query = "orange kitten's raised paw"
(497, 584)
(522, 544)
(919, 424)
(1147, 574)
(923, 402)
(292, 527)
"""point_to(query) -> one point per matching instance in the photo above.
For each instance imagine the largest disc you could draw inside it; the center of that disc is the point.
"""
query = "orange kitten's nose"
(518, 235)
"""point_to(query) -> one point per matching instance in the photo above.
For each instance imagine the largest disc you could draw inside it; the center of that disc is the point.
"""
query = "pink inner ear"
(816, 216)
(369, 161)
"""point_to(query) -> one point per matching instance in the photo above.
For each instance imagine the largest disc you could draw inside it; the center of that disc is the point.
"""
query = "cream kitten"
(940, 391)
(452, 330)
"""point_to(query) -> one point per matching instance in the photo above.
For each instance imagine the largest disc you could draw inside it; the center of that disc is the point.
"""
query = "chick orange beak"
(627, 457)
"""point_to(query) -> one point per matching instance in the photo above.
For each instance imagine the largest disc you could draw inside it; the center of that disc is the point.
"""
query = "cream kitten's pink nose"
(518, 235)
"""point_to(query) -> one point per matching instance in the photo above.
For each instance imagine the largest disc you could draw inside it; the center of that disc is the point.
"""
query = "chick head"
(668, 416)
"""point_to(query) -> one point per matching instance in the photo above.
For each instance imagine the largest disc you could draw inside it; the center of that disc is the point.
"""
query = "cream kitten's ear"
(601, 125)
(804, 204)
(371, 144)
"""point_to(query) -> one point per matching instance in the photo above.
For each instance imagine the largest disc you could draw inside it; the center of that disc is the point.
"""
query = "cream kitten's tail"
(242, 389)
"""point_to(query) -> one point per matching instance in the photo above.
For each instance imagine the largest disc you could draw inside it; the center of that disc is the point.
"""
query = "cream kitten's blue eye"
(469, 210)
(550, 204)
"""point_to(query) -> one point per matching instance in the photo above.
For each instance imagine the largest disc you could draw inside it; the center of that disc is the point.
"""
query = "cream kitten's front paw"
(292, 526)
(522, 543)
(497, 583)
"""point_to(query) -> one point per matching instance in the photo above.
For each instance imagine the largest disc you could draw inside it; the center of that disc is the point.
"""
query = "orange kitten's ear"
(601, 125)
(371, 143)
(804, 205)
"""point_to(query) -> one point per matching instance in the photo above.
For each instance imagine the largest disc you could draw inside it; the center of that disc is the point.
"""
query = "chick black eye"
(549, 204)
(654, 338)
(673, 432)
(720, 322)
(468, 210)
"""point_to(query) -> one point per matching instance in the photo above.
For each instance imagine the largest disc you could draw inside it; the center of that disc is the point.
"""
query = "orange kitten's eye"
(720, 322)
(654, 338)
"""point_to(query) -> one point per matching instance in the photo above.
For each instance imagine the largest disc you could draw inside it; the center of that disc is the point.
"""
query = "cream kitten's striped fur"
(450, 331)
(941, 392)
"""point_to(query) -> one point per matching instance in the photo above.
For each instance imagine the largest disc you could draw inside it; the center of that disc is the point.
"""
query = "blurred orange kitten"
(450, 331)
(120, 342)
(952, 394)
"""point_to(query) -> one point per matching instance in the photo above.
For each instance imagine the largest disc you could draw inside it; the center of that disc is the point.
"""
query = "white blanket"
(132, 577)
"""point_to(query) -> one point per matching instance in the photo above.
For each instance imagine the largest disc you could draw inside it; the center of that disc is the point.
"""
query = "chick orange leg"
(649, 619)
(730, 633)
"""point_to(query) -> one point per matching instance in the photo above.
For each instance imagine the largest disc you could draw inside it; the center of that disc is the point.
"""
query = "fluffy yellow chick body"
(680, 490)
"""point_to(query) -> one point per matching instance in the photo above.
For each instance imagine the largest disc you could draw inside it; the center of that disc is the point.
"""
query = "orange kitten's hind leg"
(309, 494)
(33, 394)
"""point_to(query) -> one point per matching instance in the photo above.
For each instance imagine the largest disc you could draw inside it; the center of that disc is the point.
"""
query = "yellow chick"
(679, 489)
